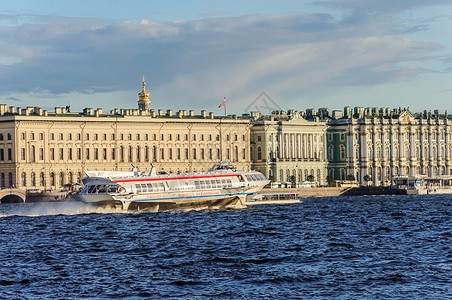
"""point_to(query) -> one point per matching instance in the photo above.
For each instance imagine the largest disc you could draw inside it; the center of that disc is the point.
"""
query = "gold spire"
(143, 98)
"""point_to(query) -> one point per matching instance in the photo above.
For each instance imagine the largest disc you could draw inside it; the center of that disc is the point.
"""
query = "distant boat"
(423, 185)
(221, 187)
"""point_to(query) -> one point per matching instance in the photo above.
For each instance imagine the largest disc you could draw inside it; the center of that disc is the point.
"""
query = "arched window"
(259, 153)
(387, 152)
(33, 179)
(52, 179)
(2, 180)
(342, 171)
(70, 177)
(342, 152)
(330, 152)
(154, 153)
(10, 179)
(41, 179)
(61, 179)
(121, 153)
(138, 153)
(130, 153)
(146, 153)
(24, 179)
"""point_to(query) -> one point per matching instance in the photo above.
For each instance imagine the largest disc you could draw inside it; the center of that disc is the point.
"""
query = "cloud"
(196, 62)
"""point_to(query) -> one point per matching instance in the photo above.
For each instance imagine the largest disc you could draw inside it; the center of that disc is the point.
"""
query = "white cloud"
(193, 63)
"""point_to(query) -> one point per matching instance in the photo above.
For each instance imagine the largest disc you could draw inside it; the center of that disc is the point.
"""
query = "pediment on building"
(406, 116)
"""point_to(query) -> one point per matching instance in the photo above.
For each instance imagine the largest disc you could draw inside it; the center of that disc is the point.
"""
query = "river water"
(324, 248)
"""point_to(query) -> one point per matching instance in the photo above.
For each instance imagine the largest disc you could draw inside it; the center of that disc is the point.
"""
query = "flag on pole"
(223, 103)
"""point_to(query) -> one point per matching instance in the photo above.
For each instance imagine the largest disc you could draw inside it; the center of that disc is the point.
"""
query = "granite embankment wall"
(337, 191)
(309, 192)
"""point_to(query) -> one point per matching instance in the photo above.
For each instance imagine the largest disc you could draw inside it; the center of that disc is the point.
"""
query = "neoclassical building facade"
(383, 143)
(289, 147)
(48, 150)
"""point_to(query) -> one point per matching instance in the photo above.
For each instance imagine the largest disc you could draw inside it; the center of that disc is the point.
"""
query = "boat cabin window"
(150, 187)
(100, 189)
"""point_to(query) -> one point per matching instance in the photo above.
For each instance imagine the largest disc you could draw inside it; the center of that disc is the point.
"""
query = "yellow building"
(47, 150)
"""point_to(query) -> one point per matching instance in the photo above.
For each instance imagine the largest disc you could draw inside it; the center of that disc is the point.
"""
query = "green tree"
(350, 177)
(310, 178)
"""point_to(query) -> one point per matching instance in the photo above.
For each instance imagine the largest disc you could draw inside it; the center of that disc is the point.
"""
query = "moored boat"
(423, 185)
(222, 186)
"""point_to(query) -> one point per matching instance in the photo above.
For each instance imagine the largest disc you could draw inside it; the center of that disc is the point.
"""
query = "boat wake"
(54, 208)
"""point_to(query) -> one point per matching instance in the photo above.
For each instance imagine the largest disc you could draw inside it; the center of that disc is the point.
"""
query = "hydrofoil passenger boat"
(222, 186)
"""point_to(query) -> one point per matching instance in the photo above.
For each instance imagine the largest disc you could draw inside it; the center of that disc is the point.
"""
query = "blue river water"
(397, 247)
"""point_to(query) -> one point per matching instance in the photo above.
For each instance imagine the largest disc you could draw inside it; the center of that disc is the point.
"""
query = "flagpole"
(224, 100)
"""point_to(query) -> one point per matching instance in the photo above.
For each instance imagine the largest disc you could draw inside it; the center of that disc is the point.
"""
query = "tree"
(293, 180)
(329, 179)
(350, 177)
(367, 178)
(310, 178)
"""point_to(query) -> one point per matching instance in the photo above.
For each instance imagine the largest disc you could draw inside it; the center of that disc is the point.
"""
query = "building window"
(24, 179)
(2, 154)
(33, 178)
(194, 137)
(87, 154)
(96, 154)
(138, 150)
(259, 138)
(1, 136)
(96, 136)
(162, 137)
(52, 153)
(61, 178)
(60, 136)
(52, 136)
(178, 153)
(170, 137)
(61, 153)
(162, 154)
(69, 136)
(170, 153)
(146, 153)
(194, 154)
(69, 154)
(113, 154)
(129, 154)
(342, 137)
(79, 153)
(9, 137)
(10, 154)
(342, 152)
(87, 136)
(104, 151)
(41, 179)
(129, 137)
(138, 137)
(186, 153)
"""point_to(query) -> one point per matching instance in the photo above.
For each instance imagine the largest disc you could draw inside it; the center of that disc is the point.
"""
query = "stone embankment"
(309, 192)
(336, 191)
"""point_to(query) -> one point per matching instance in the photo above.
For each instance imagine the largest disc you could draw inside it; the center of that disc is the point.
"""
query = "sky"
(260, 55)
